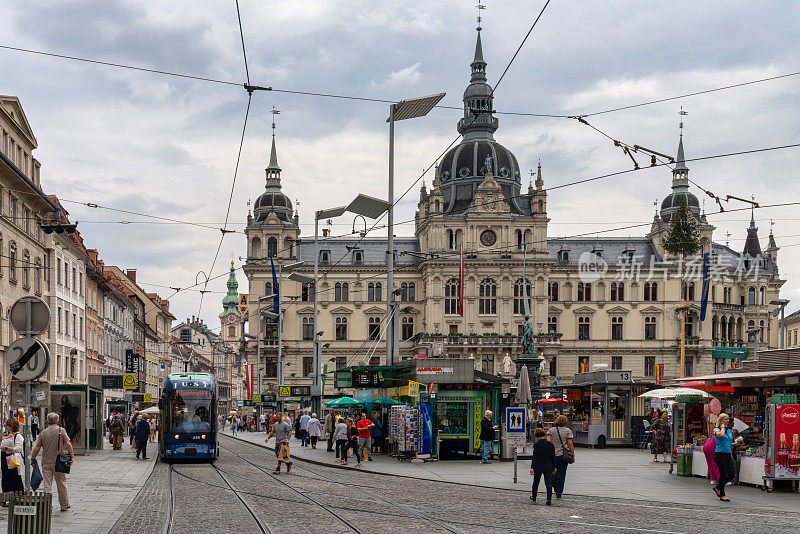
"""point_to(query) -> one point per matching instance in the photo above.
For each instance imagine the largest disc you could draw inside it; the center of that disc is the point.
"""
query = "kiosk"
(604, 407)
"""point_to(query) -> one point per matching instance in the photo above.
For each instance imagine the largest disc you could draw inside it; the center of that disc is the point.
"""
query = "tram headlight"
(202, 436)
(177, 436)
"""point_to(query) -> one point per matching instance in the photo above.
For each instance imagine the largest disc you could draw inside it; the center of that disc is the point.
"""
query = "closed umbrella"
(523, 396)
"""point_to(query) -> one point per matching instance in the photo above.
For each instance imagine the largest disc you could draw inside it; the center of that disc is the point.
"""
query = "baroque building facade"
(594, 302)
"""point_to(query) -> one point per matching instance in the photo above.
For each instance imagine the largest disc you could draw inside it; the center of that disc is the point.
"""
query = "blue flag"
(706, 284)
(276, 307)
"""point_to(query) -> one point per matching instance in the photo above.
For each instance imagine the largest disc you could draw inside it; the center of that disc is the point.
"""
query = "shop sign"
(256, 397)
(239, 403)
(284, 391)
(300, 391)
(248, 402)
(269, 397)
(456, 398)
(413, 388)
(466, 387)
(344, 379)
(434, 370)
(128, 381)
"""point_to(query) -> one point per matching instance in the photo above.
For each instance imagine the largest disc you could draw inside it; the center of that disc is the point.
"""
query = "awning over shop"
(742, 375)
(730, 353)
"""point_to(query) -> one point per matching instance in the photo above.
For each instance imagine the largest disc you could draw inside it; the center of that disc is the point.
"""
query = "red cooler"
(782, 439)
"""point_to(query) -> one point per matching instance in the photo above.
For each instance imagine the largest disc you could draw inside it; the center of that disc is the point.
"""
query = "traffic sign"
(243, 303)
(30, 316)
(128, 381)
(28, 358)
(515, 427)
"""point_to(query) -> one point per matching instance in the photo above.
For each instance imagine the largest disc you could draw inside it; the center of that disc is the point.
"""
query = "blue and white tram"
(189, 417)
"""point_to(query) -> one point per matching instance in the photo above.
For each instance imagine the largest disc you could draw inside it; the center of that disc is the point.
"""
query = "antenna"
(682, 114)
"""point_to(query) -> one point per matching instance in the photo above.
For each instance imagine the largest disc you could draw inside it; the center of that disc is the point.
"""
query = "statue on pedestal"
(527, 337)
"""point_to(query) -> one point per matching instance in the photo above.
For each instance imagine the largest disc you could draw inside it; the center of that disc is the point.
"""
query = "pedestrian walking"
(330, 423)
(314, 430)
(298, 433)
(132, 429)
(723, 455)
(263, 422)
(281, 431)
(487, 436)
(352, 443)
(365, 437)
(142, 435)
(376, 435)
(52, 441)
(661, 441)
(11, 460)
(153, 427)
(234, 426)
(34, 425)
(340, 437)
(561, 438)
(304, 419)
(543, 463)
(708, 451)
(117, 430)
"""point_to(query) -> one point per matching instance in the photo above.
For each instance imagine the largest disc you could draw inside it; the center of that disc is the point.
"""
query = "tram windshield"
(190, 410)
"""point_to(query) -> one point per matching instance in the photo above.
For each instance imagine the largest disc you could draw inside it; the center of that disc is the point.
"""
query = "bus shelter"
(80, 410)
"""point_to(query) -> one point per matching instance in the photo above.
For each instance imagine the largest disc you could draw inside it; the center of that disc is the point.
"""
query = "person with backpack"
(52, 441)
(561, 438)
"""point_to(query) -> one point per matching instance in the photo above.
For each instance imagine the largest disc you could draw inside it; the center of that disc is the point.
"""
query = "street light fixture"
(405, 109)
(782, 303)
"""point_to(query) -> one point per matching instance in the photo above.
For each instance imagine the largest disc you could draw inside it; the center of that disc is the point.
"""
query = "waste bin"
(30, 512)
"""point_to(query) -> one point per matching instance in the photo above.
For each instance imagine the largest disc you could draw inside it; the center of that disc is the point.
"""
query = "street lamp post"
(365, 206)
(782, 303)
(405, 109)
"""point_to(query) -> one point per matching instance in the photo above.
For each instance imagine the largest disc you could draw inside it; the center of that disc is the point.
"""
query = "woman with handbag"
(561, 438)
(55, 463)
(11, 448)
(723, 455)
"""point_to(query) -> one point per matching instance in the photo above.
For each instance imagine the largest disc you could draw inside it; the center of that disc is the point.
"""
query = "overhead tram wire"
(520, 46)
(244, 51)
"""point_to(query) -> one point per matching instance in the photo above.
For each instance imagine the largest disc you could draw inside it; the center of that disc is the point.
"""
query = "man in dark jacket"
(487, 436)
(543, 462)
(142, 435)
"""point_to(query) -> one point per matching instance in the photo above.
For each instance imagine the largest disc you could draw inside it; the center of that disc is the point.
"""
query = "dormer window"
(325, 256)
(627, 256)
(563, 256)
(358, 257)
(598, 252)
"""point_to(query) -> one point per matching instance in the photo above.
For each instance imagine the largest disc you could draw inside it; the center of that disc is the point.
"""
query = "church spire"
(230, 303)
(273, 170)
(752, 245)
(478, 121)
(680, 174)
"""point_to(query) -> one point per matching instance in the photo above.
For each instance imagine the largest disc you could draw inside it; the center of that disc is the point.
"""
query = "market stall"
(604, 407)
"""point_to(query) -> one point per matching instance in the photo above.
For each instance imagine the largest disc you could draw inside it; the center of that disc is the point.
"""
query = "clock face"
(488, 238)
(231, 318)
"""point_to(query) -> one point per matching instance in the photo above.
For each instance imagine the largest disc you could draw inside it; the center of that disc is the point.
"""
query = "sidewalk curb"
(364, 470)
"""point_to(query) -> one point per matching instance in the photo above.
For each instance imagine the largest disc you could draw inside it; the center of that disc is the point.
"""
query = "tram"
(188, 407)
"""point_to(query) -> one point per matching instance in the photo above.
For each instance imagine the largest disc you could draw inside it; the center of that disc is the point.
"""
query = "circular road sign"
(30, 308)
(28, 358)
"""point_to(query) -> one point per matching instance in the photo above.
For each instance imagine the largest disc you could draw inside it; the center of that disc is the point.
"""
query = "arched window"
(451, 297)
(308, 328)
(650, 291)
(412, 291)
(751, 295)
(761, 296)
(521, 287)
(378, 292)
(255, 247)
(272, 247)
(345, 292)
(552, 324)
(487, 303)
(761, 331)
(519, 239)
(374, 328)
(616, 328)
(341, 328)
(552, 291)
(689, 325)
(451, 240)
(617, 291)
(583, 327)
(584, 291)
(650, 328)
(404, 291)
(12, 260)
(563, 256)
(371, 292)
(337, 292)
(407, 328)
(307, 292)
(268, 288)
(26, 262)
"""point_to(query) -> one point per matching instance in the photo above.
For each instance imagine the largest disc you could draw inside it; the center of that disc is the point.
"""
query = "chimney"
(131, 273)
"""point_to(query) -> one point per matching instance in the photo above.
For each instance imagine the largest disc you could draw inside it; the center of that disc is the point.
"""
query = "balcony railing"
(450, 340)
(727, 307)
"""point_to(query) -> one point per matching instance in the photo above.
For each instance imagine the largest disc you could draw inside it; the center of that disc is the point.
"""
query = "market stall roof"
(741, 375)
(722, 387)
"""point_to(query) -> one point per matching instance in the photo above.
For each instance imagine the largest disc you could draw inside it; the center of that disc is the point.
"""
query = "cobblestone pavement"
(319, 499)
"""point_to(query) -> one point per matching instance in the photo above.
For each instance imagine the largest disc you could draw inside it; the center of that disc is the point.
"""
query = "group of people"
(353, 436)
(140, 429)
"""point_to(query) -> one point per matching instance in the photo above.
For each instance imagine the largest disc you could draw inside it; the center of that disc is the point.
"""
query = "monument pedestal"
(533, 362)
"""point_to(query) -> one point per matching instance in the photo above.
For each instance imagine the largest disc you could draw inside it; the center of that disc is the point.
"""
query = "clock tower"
(231, 317)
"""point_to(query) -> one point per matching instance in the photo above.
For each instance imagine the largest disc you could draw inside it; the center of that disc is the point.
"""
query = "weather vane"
(480, 7)
(274, 112)
(682, 114)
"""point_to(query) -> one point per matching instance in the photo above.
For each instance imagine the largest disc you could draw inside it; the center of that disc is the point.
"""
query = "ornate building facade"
(601, 301)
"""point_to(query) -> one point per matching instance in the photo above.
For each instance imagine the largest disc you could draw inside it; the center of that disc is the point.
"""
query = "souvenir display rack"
(405, 431)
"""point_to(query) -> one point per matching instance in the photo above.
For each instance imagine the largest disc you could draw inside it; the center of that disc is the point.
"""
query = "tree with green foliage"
(682, 240)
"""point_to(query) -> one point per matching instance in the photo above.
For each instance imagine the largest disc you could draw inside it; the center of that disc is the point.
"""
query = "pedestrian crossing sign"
(128, 381)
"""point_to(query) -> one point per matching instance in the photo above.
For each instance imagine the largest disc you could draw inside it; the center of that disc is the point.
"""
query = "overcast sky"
(167, 146)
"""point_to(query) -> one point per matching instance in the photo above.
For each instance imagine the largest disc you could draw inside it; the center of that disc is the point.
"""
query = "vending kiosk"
(782, 444)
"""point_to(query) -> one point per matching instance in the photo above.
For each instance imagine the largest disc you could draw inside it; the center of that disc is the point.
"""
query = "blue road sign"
(515, 421)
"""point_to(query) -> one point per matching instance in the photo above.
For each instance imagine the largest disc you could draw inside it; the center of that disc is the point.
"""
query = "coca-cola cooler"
(782, 444)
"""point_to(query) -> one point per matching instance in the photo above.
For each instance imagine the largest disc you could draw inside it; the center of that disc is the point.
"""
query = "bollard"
(30, 512)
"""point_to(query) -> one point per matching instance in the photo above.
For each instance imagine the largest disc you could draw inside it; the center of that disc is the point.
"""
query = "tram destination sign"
(366, 379)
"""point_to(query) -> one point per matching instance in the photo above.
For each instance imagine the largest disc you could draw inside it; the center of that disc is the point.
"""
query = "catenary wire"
(520, 46)
(244, 51)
